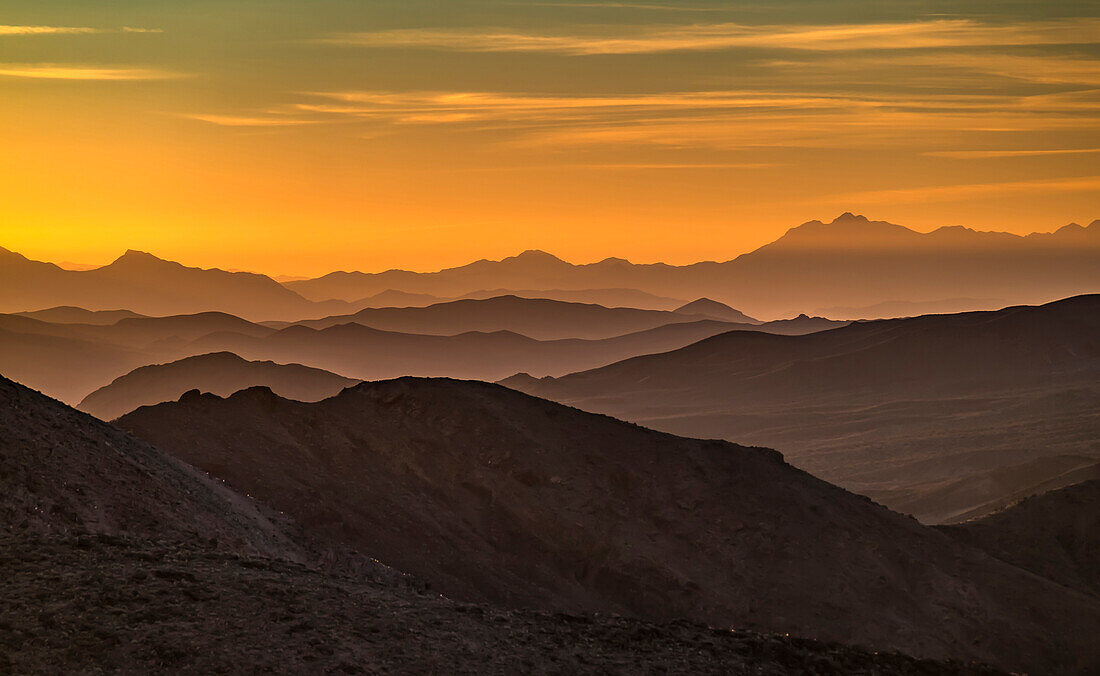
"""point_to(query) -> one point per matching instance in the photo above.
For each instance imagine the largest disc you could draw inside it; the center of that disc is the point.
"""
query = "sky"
(303, 136)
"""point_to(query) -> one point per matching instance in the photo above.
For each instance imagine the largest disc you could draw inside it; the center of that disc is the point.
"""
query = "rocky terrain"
(96, 603)
(498, 497)
(115, 558)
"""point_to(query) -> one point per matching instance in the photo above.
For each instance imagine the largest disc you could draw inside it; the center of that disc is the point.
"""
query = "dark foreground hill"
(1056, 535)
(941, 416)
(220, 373)
(500, 497)
(98, 604)
(117, 559)
(63, 471)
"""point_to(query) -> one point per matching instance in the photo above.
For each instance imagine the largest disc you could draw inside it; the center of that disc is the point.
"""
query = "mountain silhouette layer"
(851, 261)
(537, 318)
(69, 361)
(497, 496)
(900, 410)
(715, 310)
(220, 373)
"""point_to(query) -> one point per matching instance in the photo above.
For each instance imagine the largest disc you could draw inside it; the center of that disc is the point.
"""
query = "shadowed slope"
(1056, 535)
(115, 557)
(896, 409)
(221, 373)
(63, 471)
(497, 496)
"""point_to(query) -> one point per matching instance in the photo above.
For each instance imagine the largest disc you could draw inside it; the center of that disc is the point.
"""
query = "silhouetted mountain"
(1056, 535)
(715, 310)
(66, 314)
(537, 318)
(51, 358)
(119, 558)
(896, 409)
(69, 361)
(148, 285)
(851, 261)
(220, 373)
(606, 297)
(497, 496)
(369, 354)
(903, 308)
(77, 359)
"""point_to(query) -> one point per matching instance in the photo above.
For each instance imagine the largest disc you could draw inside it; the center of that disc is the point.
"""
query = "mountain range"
(498, 497)
(929, 415)
(115, 557)
(850, 262)
(70, 360)
(220, 373)
(538, 318)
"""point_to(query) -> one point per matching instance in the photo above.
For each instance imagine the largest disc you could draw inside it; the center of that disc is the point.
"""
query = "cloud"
(240, 121)
(982, 154)
(70, 30)
(953, 193)
(938, 69)
(719, 36)
(63, 72)
(714, 119)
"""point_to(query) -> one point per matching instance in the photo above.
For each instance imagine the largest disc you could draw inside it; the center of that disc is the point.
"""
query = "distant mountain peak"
(712, 308)
(537, 255)
(849, 216)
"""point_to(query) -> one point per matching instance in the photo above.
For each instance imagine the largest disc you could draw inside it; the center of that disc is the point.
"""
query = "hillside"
(1056, 535)
(64, 472)
(500, 497)
(853, 405)
(221, 373)
(116, 557)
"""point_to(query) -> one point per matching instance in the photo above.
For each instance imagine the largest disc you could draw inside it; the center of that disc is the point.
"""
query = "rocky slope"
(500, 497)
(117, 559)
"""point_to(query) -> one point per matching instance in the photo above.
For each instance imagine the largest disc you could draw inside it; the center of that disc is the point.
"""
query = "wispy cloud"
(63, 72)
(718, 36)
(952, 193)
(714, 119)
(937, 69)
(983, 154)
(245, 121)
(70, 30)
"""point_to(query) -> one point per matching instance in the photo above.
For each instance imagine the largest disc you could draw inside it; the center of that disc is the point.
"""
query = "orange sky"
(299, 137)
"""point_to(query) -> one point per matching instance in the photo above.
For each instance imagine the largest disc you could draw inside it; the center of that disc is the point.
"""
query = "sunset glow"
(300, 137)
